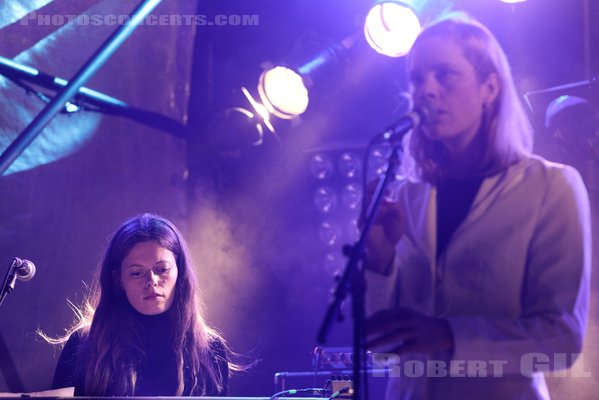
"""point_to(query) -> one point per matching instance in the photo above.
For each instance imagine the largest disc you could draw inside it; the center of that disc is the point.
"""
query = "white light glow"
(283, 92)
(260, 109)
(391, 28)
(321, 166)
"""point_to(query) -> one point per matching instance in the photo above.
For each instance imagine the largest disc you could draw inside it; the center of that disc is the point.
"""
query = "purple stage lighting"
(391, 27)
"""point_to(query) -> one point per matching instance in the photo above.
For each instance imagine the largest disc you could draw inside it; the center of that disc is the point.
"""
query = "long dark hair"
(112, 348)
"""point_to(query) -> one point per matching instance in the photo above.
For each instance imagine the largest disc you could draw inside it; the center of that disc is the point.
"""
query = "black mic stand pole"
(353, 280)
(104, 103)
(70, 90)
(7, 365)
(8, 284)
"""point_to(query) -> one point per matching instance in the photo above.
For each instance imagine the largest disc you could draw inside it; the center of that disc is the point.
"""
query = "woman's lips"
(153, 296)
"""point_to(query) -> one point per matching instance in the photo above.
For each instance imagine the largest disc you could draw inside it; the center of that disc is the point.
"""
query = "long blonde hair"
(506, 131)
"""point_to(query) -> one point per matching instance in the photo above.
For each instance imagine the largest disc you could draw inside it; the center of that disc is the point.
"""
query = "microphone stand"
(354, 282)
(85, 73)
(104, 103)
(8, 284)
(7, 364)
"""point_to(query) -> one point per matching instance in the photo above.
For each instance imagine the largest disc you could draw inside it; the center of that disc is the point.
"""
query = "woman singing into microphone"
(483, 264)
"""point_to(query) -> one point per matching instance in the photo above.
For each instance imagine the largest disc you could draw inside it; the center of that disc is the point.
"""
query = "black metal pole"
(353, 281)
(104, 103)
(9, 370)
(85, 73)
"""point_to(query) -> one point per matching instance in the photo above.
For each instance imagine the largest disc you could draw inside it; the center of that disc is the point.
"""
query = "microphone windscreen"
(26, 271)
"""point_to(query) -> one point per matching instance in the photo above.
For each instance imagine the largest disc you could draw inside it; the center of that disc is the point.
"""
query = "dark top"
(156, 374)
(454, 199)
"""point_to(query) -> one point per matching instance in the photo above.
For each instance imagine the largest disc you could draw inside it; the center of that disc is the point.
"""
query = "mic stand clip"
(8, 285)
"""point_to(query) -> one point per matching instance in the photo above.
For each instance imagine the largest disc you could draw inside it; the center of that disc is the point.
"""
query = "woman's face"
(149, 276)
(445, 80)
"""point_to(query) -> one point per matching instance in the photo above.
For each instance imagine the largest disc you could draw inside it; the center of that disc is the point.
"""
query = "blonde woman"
(479, 274)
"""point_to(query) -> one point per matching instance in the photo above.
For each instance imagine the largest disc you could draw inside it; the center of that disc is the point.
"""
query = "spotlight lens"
(352, 196)
(283, 92)
(349, 165)
(377, 161)
(353, 231)
(333, 263)
(321, 166)
(329, 233)
(391, 29)
(325, 199)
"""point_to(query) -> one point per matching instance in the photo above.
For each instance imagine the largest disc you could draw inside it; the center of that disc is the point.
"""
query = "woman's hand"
(402, 330)
(386, 231)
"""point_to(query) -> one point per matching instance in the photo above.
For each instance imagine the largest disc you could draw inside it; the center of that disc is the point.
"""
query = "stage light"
(377, 161)
(333, 262)
(238, 127)
(569, 116)
(283, 92)
(321, 165)
(329, 233)
(353, 230)
(391, 26)
(261, 111)
(573, 123)
(352, 196)
(285, 88)
(513, 1)
(349, 164)
(325, 199)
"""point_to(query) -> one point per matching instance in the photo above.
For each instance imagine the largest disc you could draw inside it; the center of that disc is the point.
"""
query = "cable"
(339, 392)
(297, 391)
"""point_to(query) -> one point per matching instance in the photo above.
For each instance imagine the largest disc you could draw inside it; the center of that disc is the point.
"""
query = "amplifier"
(332, 369)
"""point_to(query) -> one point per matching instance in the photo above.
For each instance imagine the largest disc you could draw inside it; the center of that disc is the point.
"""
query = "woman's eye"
(163, 270)
(135, 274)
(416, 79)
(445, 74)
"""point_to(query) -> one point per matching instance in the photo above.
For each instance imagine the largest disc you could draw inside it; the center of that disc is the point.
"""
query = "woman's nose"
(151, 279)
(428, 88)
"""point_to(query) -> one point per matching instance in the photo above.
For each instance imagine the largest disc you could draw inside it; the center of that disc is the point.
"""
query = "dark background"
(247, 211)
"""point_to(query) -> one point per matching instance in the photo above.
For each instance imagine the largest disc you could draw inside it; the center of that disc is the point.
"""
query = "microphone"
(395, 132)
(24, 269)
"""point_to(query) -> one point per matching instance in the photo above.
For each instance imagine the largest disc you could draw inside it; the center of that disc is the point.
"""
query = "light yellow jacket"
(513, 283)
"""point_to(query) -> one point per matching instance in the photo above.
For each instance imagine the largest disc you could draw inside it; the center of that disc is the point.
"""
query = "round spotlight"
(353, 230)
(349, 165)
(573, 124)
(321, 166)
(283, 92)
(391, 28)
(333, 263)
(352, 196)
(329, 233)
(325, 199)
(377, 161)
